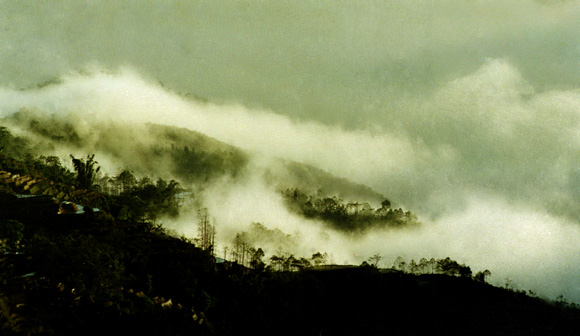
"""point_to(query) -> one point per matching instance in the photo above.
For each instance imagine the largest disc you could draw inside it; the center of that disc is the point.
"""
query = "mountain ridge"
(154, 149)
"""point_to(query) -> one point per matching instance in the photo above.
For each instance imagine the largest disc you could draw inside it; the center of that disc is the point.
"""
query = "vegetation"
(200, 166)
(138, 201)
(445, 266)
(86, 172)
(188, 156)
(117, 271)
(141, 281)
(348, 217)
(11, 145)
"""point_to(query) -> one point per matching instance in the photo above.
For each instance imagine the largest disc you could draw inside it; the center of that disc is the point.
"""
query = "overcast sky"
(334, 61)
(466, 112)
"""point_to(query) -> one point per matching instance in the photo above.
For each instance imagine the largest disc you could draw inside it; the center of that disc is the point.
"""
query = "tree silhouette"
(481, 276)
(241, 247)
(319, 258)
(256, 261)
(399, 264)
(375, 260)
(206, 231)
(86, 171)
(276, 262)
(126, 180)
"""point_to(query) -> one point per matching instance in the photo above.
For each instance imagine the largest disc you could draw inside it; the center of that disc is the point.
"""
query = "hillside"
(189, 156)
(84, 276)
(194, 160)
(94, 272)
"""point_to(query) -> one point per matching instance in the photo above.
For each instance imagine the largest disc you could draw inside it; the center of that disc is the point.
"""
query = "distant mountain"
(156, 150)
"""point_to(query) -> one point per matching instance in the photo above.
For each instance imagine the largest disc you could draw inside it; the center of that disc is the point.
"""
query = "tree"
(305, 263)
(432, 265)
(257, 256)
(465, 271)
(276, 262)
(319, 258)
(126, 179)
(448, 266)
(289, 263)
(50, 167)
(399, 264)
(453, 268)
(86, 171)
(374, 260)
(206, 231)
(386, 204)
(481, 276)
(298, 264)
(423, 266)
(240, 247)
(10, 145)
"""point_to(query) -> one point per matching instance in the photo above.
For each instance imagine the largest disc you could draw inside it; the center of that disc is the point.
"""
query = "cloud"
(513, 240)
(348, 64)
(489, 130)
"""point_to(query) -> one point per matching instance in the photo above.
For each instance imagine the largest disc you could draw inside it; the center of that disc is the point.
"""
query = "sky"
(466, 113)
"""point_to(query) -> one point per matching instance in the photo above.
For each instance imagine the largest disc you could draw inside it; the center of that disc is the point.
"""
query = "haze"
(467, 114)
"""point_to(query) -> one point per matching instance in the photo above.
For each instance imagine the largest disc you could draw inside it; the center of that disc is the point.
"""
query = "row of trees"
(349, 217)
(127, 198)
(291, 263)
(243, 251)
(445, 266)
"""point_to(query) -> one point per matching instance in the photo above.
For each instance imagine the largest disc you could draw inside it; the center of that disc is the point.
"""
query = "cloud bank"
(351, 64)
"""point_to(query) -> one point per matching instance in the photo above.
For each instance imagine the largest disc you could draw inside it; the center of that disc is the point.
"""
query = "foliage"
(206, 231)
(143, 281)
(319, 258)
(80, 275)
(481, 276)
(86, 171)
(51, 168)
(445, 266)
(12, 146)
(55, 130)
(375, 260)
(195, 165)
(291, 263)
(453, 268)
(141, 200)
(348, 217)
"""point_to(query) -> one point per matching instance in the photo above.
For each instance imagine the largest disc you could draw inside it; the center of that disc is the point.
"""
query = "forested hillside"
(139, 155)
(101, 264)
(153, 149)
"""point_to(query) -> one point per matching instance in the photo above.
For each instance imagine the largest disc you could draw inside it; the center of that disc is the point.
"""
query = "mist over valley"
(425, 129)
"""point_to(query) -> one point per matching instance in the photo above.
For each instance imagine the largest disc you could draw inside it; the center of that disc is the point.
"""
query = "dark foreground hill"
(111, 271)
(81, 276)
